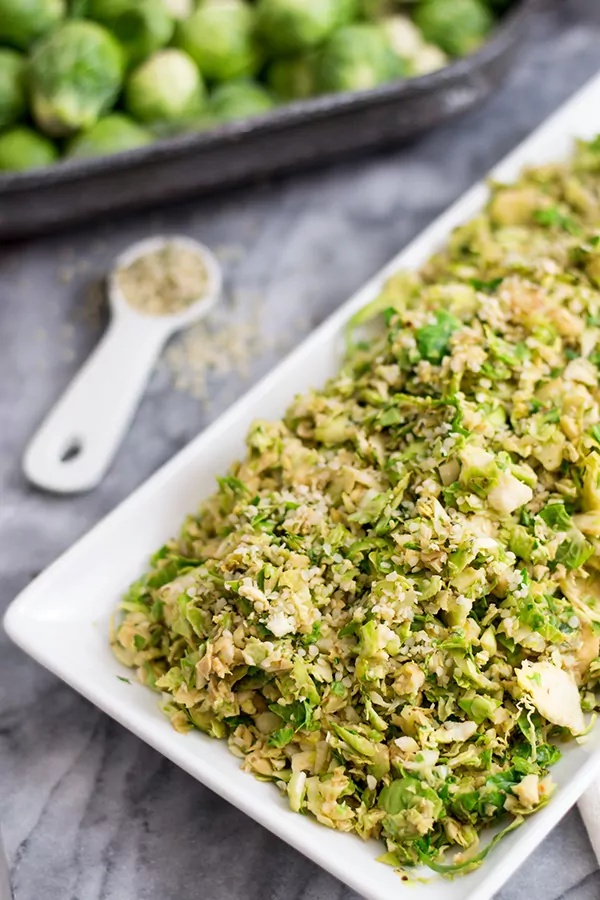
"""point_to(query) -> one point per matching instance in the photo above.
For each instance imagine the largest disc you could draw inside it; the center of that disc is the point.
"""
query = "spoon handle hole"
(77, 441)
(71, 451)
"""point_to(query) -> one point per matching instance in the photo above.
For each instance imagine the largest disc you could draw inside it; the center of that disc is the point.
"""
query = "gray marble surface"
(88, 811)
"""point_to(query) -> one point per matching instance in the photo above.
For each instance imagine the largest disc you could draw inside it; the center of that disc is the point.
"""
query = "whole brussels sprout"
(403, 35)
(22, 148)
(356, 58)
(112, 134)
(290, 26)
(12, 86)
(457, 26)
(142, 26)
(75, 75)
(407, 41)
(219, 37)
(24, 21)
(166, 88)
(293, 78)
(239, 100)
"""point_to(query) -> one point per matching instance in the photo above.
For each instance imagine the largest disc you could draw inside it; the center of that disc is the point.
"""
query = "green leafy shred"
(281, 738)
(433, 339)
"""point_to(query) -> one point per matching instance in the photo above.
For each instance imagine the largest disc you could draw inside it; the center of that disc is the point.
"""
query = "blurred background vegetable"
(355, 58)
(220, 38)
(112, 134)
(289, 26)
(22, 148)
(12, 87)
(75, 75)
(102, 76)
(166, 88)
(408, 42)
(142, 26)
(23, 21)
(239, 100)
(293, 78)
(180, 9)
(457, 26)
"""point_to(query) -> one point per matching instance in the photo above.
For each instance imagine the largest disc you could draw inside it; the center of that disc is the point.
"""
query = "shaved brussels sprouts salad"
(391, 607)
(95, 77)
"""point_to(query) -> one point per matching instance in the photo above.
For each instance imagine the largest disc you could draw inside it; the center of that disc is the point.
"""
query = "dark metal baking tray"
(291, 137)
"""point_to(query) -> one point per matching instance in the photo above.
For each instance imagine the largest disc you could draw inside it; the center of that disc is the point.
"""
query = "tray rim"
(519, 845)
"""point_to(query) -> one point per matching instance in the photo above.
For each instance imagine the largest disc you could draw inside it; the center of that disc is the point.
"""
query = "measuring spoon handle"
(77, 441)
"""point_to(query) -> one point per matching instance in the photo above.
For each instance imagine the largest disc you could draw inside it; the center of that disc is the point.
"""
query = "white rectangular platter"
(62, 617)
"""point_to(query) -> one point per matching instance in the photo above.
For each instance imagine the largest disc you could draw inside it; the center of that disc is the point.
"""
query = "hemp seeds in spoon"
(164, 281)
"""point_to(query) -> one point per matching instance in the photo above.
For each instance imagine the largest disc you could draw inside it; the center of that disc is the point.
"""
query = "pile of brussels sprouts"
(81, 78)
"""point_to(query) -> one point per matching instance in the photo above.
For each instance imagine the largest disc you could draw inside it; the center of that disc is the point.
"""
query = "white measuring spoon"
(76, 443)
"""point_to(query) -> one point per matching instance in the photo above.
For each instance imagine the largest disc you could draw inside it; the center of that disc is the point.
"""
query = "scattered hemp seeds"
(227, 341)
(164, 281)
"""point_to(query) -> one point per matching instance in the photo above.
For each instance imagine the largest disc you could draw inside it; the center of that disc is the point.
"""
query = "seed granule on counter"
(227, 341)
(390, 608)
